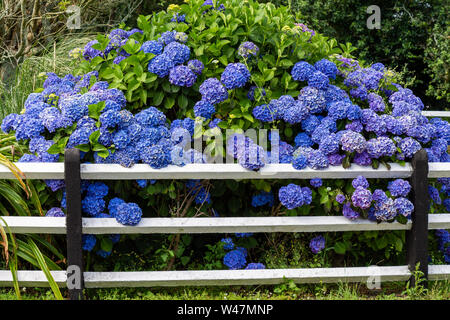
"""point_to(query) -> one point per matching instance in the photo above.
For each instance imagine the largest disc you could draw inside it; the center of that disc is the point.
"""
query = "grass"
(438, 290)
(27, 78)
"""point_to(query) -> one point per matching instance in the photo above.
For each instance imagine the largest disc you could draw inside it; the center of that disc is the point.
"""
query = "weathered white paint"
(224, 277)
(52, 225)
(440, 114)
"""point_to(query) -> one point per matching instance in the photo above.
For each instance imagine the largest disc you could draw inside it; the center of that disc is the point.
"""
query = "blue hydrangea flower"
(385, 210)
(235, 76)
(317, 160)
(409, 147)
(262, 199)
(264, 113)
(167, 37)
(303, 140)
(177, 52)
(182, 76)
(248, 49)
(313, 99)
(227, 243)
(204, 109)
(327, 67)
(161, 65)
(93, 205)
(318, 80)
(128, 214)
(353, 142)
(329, 144)
(157, 156)
(302, 71)
(150, 117)
(213, 91)
(89, 241)
(434, 194)
(300, 162)
(234, 260)
(399, 188)
(291, 196)
(113, 204)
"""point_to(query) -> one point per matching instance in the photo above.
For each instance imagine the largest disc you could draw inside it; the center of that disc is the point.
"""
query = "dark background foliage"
(414, 38)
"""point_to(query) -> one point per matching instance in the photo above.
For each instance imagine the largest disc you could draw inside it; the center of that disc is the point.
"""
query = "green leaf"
(106, 244)
(339, 248)
(93, 138)
(169, 103)
(182, 101)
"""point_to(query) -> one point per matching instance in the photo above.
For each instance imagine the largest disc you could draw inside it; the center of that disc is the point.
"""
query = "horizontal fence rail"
(219, 171)
(225, 277)
(54, 225)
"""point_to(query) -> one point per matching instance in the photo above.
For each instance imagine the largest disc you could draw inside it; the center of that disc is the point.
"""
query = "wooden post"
(417, 237)
(75, 279)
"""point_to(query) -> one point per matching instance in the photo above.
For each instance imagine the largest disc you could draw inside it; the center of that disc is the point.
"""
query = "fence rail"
(52, 225)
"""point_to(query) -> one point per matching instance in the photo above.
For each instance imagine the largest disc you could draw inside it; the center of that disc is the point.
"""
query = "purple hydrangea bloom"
(381, 147)
(317, 244)
(316, 183)
(362, 198)
(255, 266)
(434, 194)
(353, 142)
(55, 212)
(409, 147)
(360, 181)
(348, 212)
(340, 198)
(404, 206)
(196, 66)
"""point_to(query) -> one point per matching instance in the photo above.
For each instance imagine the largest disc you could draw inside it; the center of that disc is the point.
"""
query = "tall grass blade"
(40, 259)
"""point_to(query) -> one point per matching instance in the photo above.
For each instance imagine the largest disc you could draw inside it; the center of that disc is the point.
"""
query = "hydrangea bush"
(142, 96)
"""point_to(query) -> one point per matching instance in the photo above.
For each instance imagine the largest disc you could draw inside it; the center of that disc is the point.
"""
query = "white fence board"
(203, 171)
(224, 277)
(440, 114)
(52, 225)
(217, 171)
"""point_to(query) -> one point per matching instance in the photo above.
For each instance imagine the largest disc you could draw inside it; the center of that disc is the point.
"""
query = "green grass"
(27, 80)
(438, 290)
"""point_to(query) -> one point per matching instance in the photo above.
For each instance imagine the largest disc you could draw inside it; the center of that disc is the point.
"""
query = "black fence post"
(417, 237)
(75, 278)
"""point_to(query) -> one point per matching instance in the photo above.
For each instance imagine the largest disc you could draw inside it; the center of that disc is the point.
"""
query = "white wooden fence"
(51, 225)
